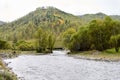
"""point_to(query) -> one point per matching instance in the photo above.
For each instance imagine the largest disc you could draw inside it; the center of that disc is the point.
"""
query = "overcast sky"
(13, 9)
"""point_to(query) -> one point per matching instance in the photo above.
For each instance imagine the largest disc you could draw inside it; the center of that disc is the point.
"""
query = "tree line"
(43, 43)
(97, 35)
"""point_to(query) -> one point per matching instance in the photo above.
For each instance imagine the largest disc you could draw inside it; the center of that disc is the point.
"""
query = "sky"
(11, 10)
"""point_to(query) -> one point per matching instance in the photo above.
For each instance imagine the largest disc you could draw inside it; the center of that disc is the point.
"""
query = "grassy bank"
(5, 72)
(7, 76)
(107, 55)
(9, 53)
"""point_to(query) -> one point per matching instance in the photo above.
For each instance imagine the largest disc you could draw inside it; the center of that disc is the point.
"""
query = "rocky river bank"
(6, 73)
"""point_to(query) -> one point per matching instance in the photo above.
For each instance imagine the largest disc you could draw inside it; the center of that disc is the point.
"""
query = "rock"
(2, 55)
(96, 52)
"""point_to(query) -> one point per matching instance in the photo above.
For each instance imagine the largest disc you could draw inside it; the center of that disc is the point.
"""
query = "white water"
(58, 66)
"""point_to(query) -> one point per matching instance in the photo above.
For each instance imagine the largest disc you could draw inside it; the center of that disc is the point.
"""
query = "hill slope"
(88, 17)
(47, 18)
(50, 19)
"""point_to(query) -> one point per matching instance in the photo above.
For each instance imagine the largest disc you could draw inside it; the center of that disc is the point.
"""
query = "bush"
(25, 46)
(4, 45)
(7, 76)
(115, 42)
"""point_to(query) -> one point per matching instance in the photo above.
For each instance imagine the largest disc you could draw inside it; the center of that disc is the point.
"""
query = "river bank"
(59, 66)
(5, 72)
(108, 55)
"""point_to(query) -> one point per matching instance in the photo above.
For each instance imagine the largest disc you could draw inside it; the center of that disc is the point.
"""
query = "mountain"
(40, 15)
(48, 18)
(88, 17)
(115, 17)
(1, 22)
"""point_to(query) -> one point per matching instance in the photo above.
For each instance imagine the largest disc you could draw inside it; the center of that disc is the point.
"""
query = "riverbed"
(59, 66)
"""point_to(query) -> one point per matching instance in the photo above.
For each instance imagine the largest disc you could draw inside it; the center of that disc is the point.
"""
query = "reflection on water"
(58, 66)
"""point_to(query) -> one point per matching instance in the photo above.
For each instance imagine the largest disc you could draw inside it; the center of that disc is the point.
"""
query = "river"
(59, 66)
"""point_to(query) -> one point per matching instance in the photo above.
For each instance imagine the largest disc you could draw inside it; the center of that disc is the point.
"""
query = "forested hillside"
(47, 25)
(47, 18)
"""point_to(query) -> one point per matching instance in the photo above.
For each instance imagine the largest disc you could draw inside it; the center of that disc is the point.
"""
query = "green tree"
(95, 36)
(101, 31)
(115, 42)
(80, 41)
(41, 40)
(51, 41)
(4, 44)
(67, 36)
(25, 46)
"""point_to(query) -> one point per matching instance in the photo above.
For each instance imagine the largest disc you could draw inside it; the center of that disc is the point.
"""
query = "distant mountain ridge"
(115, 17)
(88, 17)
(1, 22)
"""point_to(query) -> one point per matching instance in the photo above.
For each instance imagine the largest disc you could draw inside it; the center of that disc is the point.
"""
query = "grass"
(9, 53)
(109, 54)
(7, 76)
(112, 51)
(5, 73)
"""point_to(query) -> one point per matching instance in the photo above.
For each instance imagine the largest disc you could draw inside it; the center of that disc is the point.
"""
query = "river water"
(59, 66)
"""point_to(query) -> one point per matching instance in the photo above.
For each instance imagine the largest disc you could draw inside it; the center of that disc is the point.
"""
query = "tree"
(115, 42)
(25, 46)
(4, 44)
(45, 41)
(51, 41)
(101, 31)
(97, 35)
(30, 29)
(41, 40)
(67, 35)
(80, 41)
